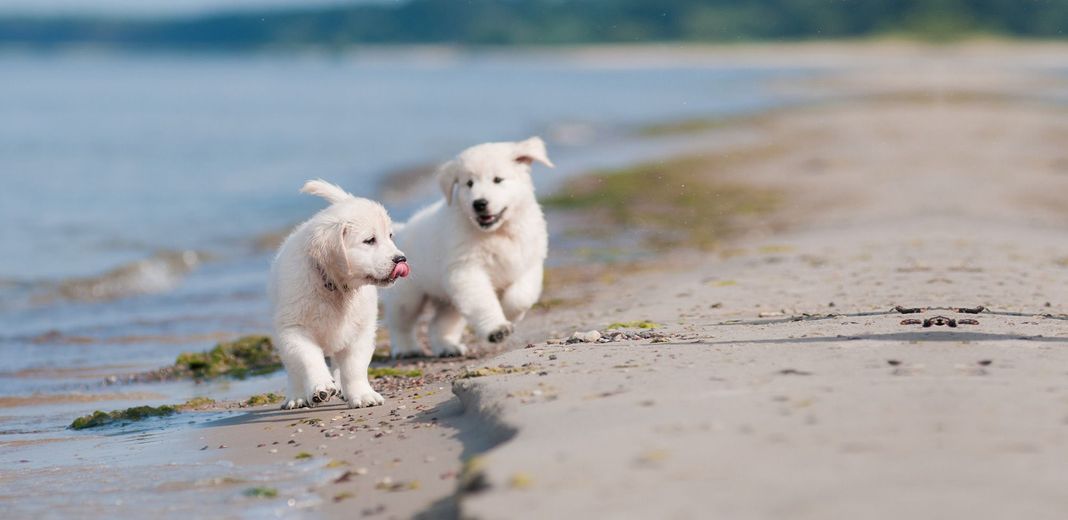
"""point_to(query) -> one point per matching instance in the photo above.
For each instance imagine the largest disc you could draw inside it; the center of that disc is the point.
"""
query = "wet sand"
(399, 459)
(784, 386)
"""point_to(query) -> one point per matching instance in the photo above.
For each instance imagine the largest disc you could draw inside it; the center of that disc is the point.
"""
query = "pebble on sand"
(584, 337)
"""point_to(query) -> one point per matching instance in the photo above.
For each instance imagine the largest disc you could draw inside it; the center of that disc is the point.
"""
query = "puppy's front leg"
(352, 364)
(309, 378)
(472, 293)
(519, 297)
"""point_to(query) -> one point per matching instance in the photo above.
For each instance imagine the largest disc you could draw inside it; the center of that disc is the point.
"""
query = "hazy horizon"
(152, 8)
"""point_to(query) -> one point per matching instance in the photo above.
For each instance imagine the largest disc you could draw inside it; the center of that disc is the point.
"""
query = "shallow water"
(137, 186)
(154, 470)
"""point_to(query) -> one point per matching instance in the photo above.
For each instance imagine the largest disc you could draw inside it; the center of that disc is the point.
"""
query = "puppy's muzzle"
(484, 218)
(400, 268)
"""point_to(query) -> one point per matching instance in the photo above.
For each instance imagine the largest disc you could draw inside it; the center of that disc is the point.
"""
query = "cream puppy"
(324, 297)
(477, 254)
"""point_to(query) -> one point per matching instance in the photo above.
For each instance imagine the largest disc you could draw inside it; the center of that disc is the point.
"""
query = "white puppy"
(324, 297)
(477, 254)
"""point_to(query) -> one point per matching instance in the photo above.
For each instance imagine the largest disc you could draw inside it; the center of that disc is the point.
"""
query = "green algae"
(262, 399)
(686, 200)
(261, 492)
(243, 357)
(136, 413)
(196, 403)
(377, 372)
(469, 373)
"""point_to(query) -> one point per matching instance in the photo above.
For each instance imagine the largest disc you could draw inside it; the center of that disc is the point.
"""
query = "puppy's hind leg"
(446, 329)
(309, 378)
(402, 312)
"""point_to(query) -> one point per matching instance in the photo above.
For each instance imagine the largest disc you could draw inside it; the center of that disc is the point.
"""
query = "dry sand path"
(788, 388)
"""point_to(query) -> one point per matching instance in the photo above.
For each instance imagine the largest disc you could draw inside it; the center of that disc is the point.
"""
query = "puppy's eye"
(391, 236)
(470, 183)
(497, 180)
(370, 241)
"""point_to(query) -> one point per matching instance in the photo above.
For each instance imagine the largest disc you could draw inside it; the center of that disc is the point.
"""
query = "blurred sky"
(150, 8)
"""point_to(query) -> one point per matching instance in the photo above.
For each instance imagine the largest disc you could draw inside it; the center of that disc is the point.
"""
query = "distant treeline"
(547, 22)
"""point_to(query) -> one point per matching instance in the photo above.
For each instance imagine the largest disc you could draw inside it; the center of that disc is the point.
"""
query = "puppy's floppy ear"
(447, 179)
(326, 246)
(531, 150)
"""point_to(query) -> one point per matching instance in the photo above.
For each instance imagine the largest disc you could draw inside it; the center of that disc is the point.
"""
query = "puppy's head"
(488, 181)
(352, 240)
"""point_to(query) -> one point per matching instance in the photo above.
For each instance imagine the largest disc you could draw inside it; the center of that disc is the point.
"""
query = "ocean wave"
(159, 273)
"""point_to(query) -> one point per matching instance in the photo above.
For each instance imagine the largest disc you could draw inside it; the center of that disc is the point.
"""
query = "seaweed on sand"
(261, 492)
(249, 355)
(137, 413)
(686, 200)
(262, 399)
(377, 372)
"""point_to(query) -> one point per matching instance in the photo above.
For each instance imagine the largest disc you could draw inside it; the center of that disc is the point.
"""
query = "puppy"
(324, 297)
(477, 254)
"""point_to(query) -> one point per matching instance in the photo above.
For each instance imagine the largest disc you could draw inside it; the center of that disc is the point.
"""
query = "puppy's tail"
(330, 192)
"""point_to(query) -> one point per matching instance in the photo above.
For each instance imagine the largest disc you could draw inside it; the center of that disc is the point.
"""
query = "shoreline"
(382, 482)
(761, 53)
(736, 376)
(531, 392)
(433, 419)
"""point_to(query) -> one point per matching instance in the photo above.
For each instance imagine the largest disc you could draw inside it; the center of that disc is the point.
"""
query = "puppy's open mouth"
(486, 221)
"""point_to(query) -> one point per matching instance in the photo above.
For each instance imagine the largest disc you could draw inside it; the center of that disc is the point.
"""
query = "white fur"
(310, 320)
(488, 277)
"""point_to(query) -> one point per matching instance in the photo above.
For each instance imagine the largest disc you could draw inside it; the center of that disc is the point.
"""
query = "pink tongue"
(400, 270)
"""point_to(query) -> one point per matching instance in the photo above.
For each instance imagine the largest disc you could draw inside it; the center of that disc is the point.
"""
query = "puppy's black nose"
(399, 258)
(480, 205)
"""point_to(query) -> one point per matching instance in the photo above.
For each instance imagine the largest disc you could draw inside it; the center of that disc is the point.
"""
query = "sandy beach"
(766, 374)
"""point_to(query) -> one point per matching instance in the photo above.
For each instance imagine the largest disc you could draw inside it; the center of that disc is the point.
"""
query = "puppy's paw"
(499, 334)
(450, 350)
(322, 393)
(407, 354)
(365, 398)
(293, 404)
